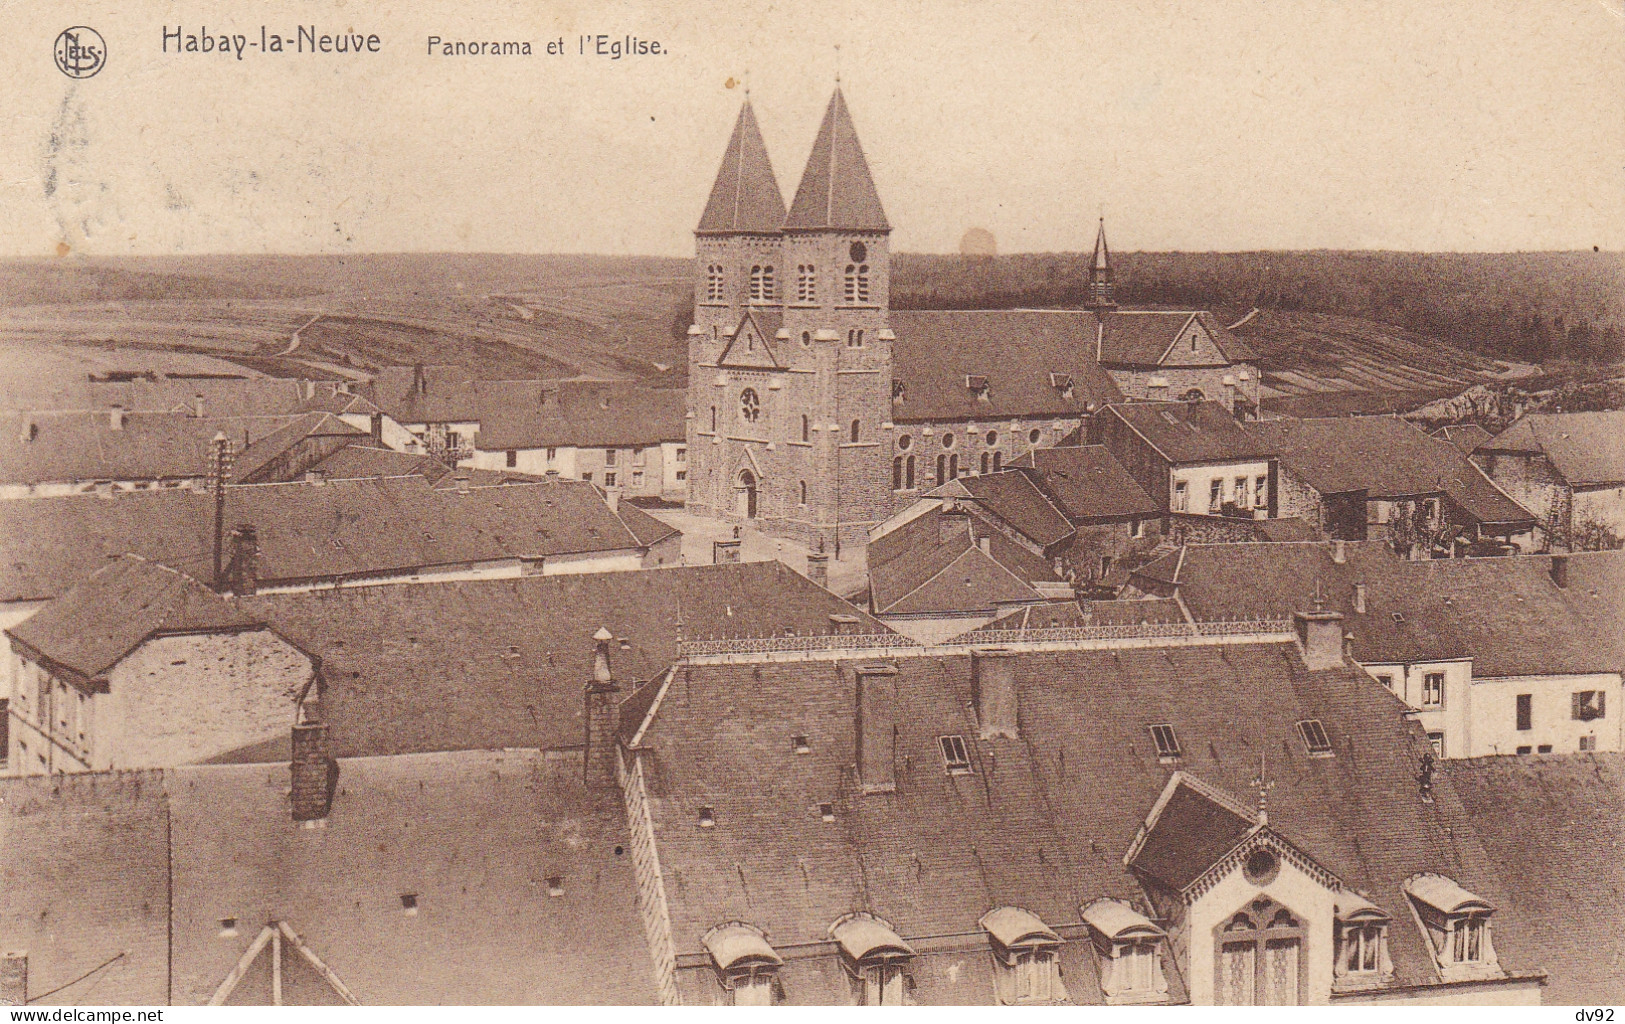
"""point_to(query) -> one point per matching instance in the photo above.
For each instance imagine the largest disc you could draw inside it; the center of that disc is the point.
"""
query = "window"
(857, 283)
(1437, 739)
(682, 474)
(908, 473)
(850, 291)
(761, 283)
(1526, 750)
(1181, 496)
(942, 470)
(998, 460)
(610, 456)
(713, 283)
(854, 338)
(1215, 496)
(1544, 748)
(953, 466)
(1136, 528)
(681, 455)
(713, 419)
(1240, 497)
(1588, 744)
(857, 429)
(1467, 939)
(708, 817)
(904, 443)
(1033, 435)
(1315, 738)
(1261, 492)
(955, 758)
(897, 473)
(609, 478)
(553, 453)
(803, 494)
(1166, 741)
(753, 986)
(992, 438)
(1526, 711)
(1193, 342)
(947, 440)
(1433, 690)
(750, 406)
(987, 461)
(1361, 947)
(1588, 705)
(1034, 975)
(806, 339)
(409, 904)
(806, 286)
(826, 812)
(587, 476)
(1387, 681)
(799, 744)
(883, 984)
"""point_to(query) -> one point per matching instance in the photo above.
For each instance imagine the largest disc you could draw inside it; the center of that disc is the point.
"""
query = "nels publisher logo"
(80, 52)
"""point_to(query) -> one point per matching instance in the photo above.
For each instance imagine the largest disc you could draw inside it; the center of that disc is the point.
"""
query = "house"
(1356, 476)
(1192, 458)
(946, 571)
(140, 666)
(327, 533)
(1494, 655)
(1568, 469)
(615, 435)
(938, 829)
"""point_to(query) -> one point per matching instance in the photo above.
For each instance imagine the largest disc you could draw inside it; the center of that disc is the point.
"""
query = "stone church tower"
(789, 383)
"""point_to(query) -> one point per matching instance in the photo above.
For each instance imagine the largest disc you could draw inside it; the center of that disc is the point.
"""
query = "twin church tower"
(790, 362)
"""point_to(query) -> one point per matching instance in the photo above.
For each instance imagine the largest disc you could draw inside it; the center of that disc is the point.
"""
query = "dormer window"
(1166, 742)
(1457, 925)
(1362, 943)
(1062, 382)
(875, 957)
(978, 385)
(1129, 946)
(1024, 957)
(747, 967)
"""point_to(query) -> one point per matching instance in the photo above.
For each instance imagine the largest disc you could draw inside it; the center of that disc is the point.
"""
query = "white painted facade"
(1238, 482)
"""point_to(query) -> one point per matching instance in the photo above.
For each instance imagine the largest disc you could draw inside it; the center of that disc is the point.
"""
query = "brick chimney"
(197, 407)
(993, 687)
(115, 417)
(985, 542)
(818, 568)
(877, 728)
(244, 567)
(461, 479)
(602, 716)
(14, 977)
(612, 498)
(1560, 571)
(1320, 636)
(315, 774)
(376, 427)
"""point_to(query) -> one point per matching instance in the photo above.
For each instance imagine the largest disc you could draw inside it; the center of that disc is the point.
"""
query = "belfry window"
(713, 283)
(806, 283)
(761, 283)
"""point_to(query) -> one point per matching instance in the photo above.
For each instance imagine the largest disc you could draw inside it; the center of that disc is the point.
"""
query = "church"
(815, 410)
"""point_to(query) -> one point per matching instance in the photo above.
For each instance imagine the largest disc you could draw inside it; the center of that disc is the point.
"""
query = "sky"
(1219, 125)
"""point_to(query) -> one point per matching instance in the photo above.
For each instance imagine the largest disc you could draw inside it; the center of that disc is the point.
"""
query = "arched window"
(750, 406)
(850, 290)
(803, 493)
(761, 283)
(908, 473)
(854, 338)
(806, 283)
(1193, 341)
(1257, 957)
(863, 282)
(806, 428)
(987, 460)
(897, 473)
(769, 289)
(713, 283)
(997, 459)
(953, 466)
(856, 430)
(942, 470)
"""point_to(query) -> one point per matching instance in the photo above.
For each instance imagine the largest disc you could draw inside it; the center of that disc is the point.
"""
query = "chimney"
(376, 427)
(818, 568)
(612, 497)
(115, 417)
(307, 389)
(1320, 635)
(420, 384)
(985, 542)
(315, 774)
(993, 687)
(1340, 551)
(603, 713)
(1560, 571)
(14, 977)
(461, 479)
(953, 522)
(877, 728)
(197, 407)
(1359, 598)
(315, 476)
(244, 571)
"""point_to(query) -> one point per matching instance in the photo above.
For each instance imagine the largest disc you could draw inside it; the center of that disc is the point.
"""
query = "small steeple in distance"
(745, 198)
(837, 192)
(1100, 273)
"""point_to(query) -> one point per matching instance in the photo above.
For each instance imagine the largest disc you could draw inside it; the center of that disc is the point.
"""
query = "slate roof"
(486, 664)
(1587, 448)
(1506, 614)
(1067, 614)
(1191, 432)
(837, 192)
(1189, 831)
(1043, 822)
(474, 836)
(342, 529)
(1016, 350)
(1387, 458)
(96, 624)
(249, 464)
(1141, 337)
(1555, 825)
(64, 447)
(1088, 483)
(1465, 436)
(585, 414)
(914, 571)
(1019, 502)
(745, 196)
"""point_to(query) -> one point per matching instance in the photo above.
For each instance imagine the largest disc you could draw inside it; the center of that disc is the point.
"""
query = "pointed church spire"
(1102, 259)
(1100, 273)
(746, 196)
(837, 193)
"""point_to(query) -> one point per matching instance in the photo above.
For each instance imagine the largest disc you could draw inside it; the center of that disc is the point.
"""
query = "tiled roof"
(50, 447)
(745, 197)
(914, 570)
(306, 532)
(1189, 432)
(1588, 448)
(1387, 458)
(1042, 822)
(647, 529)
(1020, 352)
(222, 396)
(1189, 830)
(1013, 497)
(501, 663)
(1506, 614)
(1088, 483)
(474, 836)
(585, 414)
(93, 626)
(1465, 436)
(836, 191)
(1555, 828)
(250, 464)
(1140, 338)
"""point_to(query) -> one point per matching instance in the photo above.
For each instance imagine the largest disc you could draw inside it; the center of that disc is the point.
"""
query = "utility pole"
(219, 473)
